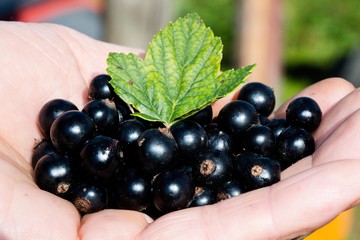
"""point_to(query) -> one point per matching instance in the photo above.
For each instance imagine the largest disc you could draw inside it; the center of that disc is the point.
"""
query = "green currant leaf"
(128, 80)
(231, 79)
(179, 75)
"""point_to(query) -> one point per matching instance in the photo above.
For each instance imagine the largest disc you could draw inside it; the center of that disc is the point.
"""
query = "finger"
(342, 143)
(300, 166)
(335, 138)
(26, 211)
(113, 224)
(326, 93)
(293, 207)
(91, 53)
(337, 114)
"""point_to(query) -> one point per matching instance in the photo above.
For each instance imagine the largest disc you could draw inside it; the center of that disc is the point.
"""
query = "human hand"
(311, 193)
(43, 62)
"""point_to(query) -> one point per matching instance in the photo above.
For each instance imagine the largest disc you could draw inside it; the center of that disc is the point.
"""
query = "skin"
(41, 62)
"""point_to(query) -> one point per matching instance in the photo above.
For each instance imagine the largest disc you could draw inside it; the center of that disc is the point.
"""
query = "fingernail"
(148, 219)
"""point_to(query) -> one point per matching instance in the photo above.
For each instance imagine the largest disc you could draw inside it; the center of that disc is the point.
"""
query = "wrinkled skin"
(40, 62)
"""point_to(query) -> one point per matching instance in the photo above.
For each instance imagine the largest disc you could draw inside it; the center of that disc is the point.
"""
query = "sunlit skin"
(40, 62)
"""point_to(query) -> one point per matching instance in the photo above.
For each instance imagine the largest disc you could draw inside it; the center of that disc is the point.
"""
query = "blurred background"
(293, 43)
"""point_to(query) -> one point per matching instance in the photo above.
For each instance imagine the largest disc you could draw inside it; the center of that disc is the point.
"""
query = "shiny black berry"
(172, 190)
(157, 150)
(259, 139)
(263, 120)
(56, 174)
(190, 137)
(220, 141)
(230, 189)
(71, 130)
(50, 111)
(88, 198)
(132, 190)
(256, 171)
(203, 196)
(236, 117)
(203, 117)
(41, 149)
(127, 134)
(304, 112)
(99, 156)
(277, 125)
(293, 144)
(100, 87)
(261, 96)
(124, 111)
(212, 168)
(104, 114)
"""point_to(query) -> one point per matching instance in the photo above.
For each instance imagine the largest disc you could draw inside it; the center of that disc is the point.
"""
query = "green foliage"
(320, 32)
(179, 75)
(316, 33)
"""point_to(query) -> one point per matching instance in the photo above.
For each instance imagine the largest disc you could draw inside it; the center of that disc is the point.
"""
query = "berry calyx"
(256, 171)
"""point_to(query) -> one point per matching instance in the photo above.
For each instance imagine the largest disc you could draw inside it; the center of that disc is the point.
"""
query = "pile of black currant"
(103, 157)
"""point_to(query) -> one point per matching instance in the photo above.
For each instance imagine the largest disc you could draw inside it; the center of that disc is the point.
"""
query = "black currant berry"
(104, 114)
(230, 189)
(263, 120)
(256, 171)
(293, 144)
(190, 137)
(259, 139)
(41, 149)
(127, 134)
(220, 141)
(203, 117)
(123, 113)
(172, 190)
(236, 117)
(304, 112)
(100, 87)
(277, 125)
(71, 130)
(203, 196)
(212, 168)
(55, 173)
(50, 111)
(132, 190)
(157, 150)
(213, 126)
(99, 156)
(261, 96)
(89, 198)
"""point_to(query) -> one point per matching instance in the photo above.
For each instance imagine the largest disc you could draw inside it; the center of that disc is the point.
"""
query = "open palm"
(40, 62)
